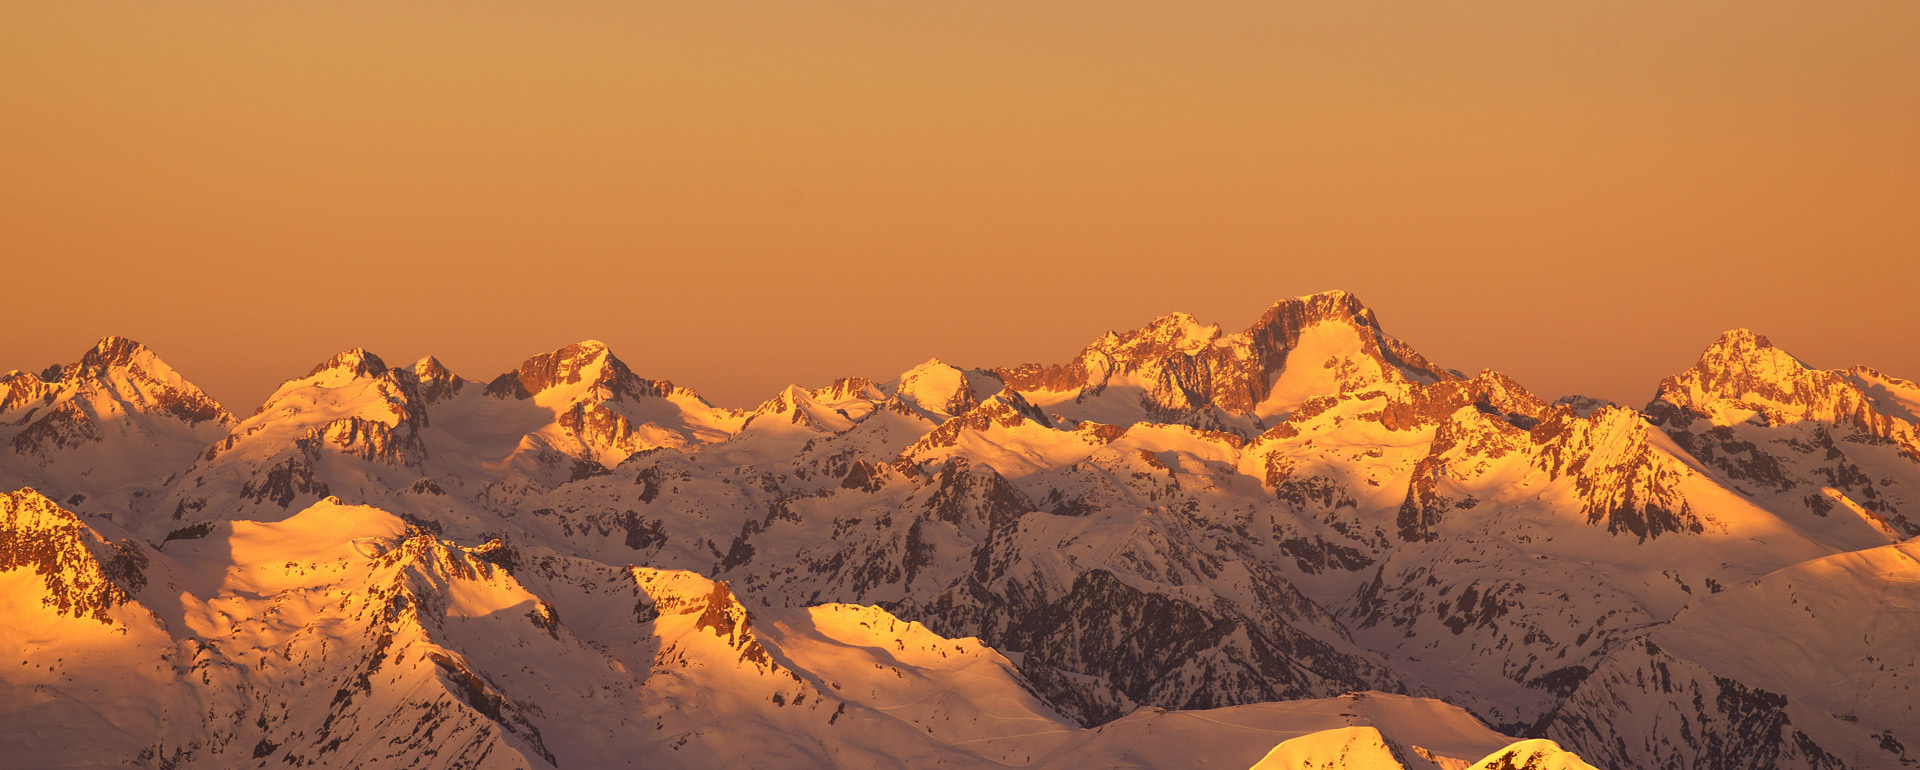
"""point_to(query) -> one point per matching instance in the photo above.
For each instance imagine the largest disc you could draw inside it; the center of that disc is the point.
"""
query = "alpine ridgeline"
(1298, 545)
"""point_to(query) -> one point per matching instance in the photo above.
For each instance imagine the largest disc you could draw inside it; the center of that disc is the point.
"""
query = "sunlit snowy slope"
(1298, 545)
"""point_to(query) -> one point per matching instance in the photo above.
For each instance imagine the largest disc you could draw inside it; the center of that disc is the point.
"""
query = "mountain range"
(1302, 544)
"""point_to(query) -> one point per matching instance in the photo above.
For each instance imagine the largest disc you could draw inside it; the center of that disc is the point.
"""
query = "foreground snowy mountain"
(340, 636)
(1180, 538)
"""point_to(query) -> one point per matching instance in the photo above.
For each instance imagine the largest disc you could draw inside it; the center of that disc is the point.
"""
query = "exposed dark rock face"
(1743, 366)
(1007, 410)
(118, 380)
(1192, 375)
(61, 426)
(85, 575)
(1168, 648)
(1489, 391)
(291, 479)
(1195, 535)
(435, 383)
(1619, 479)
(1764, 419)
(1680, 717)
(354, 363)
(19, 389)
(727, 618)
(569, 366)
(603, 412)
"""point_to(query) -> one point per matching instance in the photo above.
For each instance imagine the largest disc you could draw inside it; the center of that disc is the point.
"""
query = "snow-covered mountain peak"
(1334, 305)
(115, 351)
(434, 381)
(578, 370)
(1742, 377)
(808, 409)
(350, 364)
(1175, 370)
(848, 389)
(602, 411)
(1535, 754)
(955, 568)
(931, 372)
(429, 367)
(585, 352)
(123, 370)
(591, 360)
(1740, 356)
(1177, 331)
(353, 380)
(117, 418)
(1172, 333)
(1739, 341)
(940, 390)
(1814, 441)
(1006, 410)
(1281, 327)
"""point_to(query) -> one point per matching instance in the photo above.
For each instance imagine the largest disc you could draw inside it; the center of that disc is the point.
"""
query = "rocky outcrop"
(605, 412)
(85, 575)
(1744, 370)
(87, 427)
(1178, 518)
(588, 363)
(1105, 646)
(1189, 368)
(1776, 427)
(1619, 478)
(1682, 717)
(1005, 410)
(1488, 391)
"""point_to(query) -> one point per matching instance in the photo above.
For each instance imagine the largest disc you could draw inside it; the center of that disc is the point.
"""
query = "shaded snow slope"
(340, 636)
(103, 431)
(981, 564)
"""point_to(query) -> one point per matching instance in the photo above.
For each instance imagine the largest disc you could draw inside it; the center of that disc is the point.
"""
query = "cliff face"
(1834, 444)
(605, 412)
(83, 574)
(576, 565)
(105, 427)
(1175, 370)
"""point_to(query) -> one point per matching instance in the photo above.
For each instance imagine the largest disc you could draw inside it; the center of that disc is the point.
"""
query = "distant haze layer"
(1580, 195)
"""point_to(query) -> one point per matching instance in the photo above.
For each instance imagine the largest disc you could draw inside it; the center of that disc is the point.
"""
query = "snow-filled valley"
(1300, 545)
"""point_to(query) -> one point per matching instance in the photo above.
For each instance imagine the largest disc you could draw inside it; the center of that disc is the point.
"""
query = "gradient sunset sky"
(738, 196)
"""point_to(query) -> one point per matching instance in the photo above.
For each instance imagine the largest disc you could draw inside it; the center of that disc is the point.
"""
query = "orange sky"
(736, 196)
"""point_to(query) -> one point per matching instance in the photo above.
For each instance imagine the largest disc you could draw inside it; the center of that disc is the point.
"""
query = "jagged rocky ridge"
(1177, 519)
